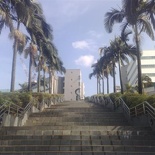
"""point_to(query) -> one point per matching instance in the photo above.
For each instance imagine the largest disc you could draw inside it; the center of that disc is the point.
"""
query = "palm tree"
(31, 16)
(96, 73)
(134, 13)
(109, 61)
(120, 52)
(6, 16)
(7, 19)
(53, 62)
(20, 41)
(45, 69)
(106, 66)
(31, 51)
(26, 13)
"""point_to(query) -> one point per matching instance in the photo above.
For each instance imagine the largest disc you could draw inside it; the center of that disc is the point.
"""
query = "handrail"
(150, 110)
(126, 109)
(140, 109)
(143, 108)
(11, 108)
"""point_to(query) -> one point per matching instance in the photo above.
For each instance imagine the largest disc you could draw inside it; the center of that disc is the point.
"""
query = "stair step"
(94, 148)
(77, 129)
(83, 142)
(77, 153)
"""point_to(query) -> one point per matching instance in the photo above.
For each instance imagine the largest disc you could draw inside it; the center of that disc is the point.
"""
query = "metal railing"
(141, 109)
(11, 108)
(125, 108)
(16, 110)
(138, 110)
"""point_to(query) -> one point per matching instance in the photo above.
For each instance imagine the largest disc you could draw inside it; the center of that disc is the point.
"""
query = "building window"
(148, 66)
(148, 57)
(150, 74)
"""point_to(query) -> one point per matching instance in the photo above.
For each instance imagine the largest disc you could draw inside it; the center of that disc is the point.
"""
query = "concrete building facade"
(70, 85)
(130, 72)
(73, 86)
(55, 85)
(82, 90)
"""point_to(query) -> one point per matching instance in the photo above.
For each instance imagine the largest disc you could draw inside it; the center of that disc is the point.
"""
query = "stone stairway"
(77, 128)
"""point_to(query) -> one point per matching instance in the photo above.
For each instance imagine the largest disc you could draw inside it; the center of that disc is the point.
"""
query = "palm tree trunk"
(50, 79)
(53, 83)
(103, 84)
(39, 68)
(114, 78)
(138, 62)
(107, 84)
(30, 74)
(44, 80)
(13, 72)
(97, 84)
(38, 80)
(120, 75)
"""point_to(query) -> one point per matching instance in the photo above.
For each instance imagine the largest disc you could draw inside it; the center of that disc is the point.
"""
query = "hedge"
(22, 99)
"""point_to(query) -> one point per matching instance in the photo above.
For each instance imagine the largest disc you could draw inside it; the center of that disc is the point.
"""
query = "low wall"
(13, 120)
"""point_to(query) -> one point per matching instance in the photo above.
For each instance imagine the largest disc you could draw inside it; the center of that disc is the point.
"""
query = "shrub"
(133, 99)
(151, 100)
(25, 98)
(114, 96)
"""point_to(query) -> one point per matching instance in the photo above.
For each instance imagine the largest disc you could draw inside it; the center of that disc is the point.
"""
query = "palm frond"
(115, 16)
(152, 20)
(125, 32)
(26, 52)
(101, 51)
(146, 26)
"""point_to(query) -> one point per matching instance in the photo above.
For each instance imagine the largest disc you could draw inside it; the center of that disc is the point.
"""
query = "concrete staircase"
(77, 128)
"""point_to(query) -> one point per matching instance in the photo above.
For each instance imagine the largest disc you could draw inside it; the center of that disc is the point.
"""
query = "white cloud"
(85, 60)
(81, 44)
(88, 44)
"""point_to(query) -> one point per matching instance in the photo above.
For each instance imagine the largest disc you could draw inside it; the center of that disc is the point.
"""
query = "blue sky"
(78, 30)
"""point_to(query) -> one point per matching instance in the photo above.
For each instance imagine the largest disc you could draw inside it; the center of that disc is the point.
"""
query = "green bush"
(133, 99)
(25, 98)
(10, 97)
(114, 96)
(151, 100)
(22, 99)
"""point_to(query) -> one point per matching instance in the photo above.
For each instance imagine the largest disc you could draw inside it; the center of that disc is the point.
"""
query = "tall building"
(73, 87)
(147, 66)
(82, 90)
(60, 85)
(70, 85)
(57, 85)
